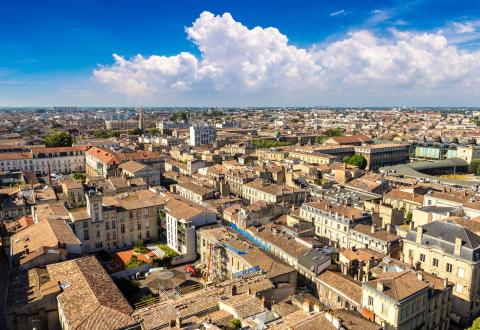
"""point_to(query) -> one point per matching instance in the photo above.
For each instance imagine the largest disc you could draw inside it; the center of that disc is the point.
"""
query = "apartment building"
(236, 179)
(468, 153)
(315, 158)
(133, 169)
(111, 222)
(120, 124)
(260, 190)
(332, 223)
(407, 300)
(451, 252)
(202, 134)
(370, 237)
(89, 298)
(227, 256)
(45, 242)
(337, 291)
(74, 193)
(104, 163)
(61, 160)
(469, 203)
(402, 200)
(183, 218)
(379, 155)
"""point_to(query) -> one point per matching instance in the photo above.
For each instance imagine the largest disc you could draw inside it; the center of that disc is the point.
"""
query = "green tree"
(320, 139)
(58, 139)
(140, 247)
(474, 165)
(475, 325)
(179, 116)
(101, 133)
(408, 217)
(135, 131)
(356, 160)
(79, 177)
(334, 132)
(235, 324)
(153, 131)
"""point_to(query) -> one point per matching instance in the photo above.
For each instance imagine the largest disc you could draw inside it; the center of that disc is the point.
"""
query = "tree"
(58, 139)
(101, 133)
(333, 132)
(179, 116)
(474, 166)
(475, 325)
(320, 139)
(356, 160)
(408, 217)
(140, 247)
(79, 177)
(135, 131)
(153, 131)
(235, 324)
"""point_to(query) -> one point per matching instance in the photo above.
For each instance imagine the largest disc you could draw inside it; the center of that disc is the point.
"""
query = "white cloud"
(341, 12)
(461, 28)
(261, 64)
(379, 16)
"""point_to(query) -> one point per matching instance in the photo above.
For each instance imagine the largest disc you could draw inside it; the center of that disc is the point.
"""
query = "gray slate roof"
(442, 234)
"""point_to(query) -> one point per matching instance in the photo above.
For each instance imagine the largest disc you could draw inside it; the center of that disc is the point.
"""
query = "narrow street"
(3, 288)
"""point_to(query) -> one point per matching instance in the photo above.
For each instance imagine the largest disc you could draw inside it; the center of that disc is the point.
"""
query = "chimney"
(316, 307)
(411, 225)
(372, 229)
(380, 286)
(445, 282)
(306, 306)
(419, 234)
(388, 228)
(233, 290)
(458, 246)
(420, 276)
(178, 321)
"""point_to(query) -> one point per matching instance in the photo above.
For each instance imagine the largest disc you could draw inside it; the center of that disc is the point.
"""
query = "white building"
(62, 160)
(202, 134)
(182, 220)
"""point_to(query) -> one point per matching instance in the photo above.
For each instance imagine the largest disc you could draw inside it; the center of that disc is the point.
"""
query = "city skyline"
(218, 54)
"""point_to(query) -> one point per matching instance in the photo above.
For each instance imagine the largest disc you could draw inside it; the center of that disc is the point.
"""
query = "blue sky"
(337, 53)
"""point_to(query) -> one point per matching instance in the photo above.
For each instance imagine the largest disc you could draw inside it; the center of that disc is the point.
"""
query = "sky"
(239, 53)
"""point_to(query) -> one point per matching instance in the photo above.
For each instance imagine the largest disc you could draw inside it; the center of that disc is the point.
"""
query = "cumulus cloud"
(252, 61)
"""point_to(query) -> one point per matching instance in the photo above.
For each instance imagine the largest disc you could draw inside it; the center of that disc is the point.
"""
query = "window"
(139, 225)
(435, 262)
(130, 214)
(422, 257)
(449, 267)
(85, 235)
(122, 228)
(459, 288)
(370, 301)
(461, 272)
(146, 211)
(107, 226)
(131, 226)
(85, 224)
